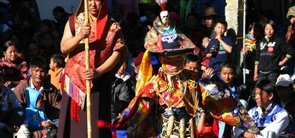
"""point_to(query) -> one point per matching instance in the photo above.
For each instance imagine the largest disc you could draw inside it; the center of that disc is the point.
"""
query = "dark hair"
(192, 58)
(271, 23)
(8, 44)
(228, 64)
(257, 29)
(39, 62)
(58, 59)
(268, 86)
(59, 9)
(221, 21)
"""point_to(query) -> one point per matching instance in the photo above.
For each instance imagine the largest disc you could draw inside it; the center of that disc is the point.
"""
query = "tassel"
(170, 125)
(182, 128)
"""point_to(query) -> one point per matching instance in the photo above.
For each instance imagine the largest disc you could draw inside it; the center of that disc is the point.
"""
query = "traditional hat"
(161, 40)
(164, 40)
(291, 12)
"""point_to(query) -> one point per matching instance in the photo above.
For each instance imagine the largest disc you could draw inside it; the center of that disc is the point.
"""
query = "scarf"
(73, 83)
(262, 118)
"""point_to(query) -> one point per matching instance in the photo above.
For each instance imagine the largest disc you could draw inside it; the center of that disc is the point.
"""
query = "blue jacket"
(34, 116)
(221, 55)
(11, 111)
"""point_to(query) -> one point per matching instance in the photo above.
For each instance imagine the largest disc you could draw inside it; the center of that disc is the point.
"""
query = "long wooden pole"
(88, 104)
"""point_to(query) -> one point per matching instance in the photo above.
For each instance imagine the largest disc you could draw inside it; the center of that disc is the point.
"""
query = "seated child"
(36, 118)
(56, 65)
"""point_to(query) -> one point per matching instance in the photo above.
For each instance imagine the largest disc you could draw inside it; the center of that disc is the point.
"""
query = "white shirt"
(279, 122)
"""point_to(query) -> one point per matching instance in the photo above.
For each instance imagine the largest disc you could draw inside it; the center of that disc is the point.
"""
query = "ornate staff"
(88, 104)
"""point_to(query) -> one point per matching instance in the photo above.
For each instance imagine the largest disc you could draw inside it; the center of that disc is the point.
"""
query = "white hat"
(284, 80)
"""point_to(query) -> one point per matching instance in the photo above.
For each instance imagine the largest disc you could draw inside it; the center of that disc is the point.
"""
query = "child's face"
(205, 41)
(268, 31)
(52, 64)
(39, 103)
(219, 29)
(227, 74)
(193, 66)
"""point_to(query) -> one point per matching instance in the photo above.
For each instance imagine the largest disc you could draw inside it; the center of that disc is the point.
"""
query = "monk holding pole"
(90, 37)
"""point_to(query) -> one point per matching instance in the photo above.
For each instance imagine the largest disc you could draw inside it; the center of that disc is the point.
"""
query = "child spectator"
(35, 115)
(192, 64)
(271, 54)
(122, 92)
(219, 47)
(56, 66)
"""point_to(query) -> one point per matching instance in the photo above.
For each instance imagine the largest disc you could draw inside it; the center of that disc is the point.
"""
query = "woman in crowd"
(271, 54)
(14, 67)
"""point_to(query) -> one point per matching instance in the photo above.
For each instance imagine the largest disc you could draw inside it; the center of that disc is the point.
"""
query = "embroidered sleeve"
(115, 32)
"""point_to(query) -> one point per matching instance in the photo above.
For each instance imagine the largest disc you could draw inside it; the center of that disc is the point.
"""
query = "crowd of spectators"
(31, 58)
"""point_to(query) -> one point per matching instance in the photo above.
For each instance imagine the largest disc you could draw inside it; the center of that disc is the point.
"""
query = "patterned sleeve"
(118, 43)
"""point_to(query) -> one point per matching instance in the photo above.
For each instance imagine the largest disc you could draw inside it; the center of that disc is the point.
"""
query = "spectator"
(285, 91)
(36, 118)
(219, 47)
(14, 67)
(49, 44)
(56, 65)
(268, 115)
(4, 26)
(61, 16)
(33, 51)
(122, 92)
(38, 81)
(128, 7)
(290, 39)
(192, 65)
(12, 114)
(205, 60)
(271, 54)
(209, 16)
(47, 26)
(193, 28)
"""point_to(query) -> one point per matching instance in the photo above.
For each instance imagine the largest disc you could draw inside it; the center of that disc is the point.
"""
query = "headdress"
(161, 40)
